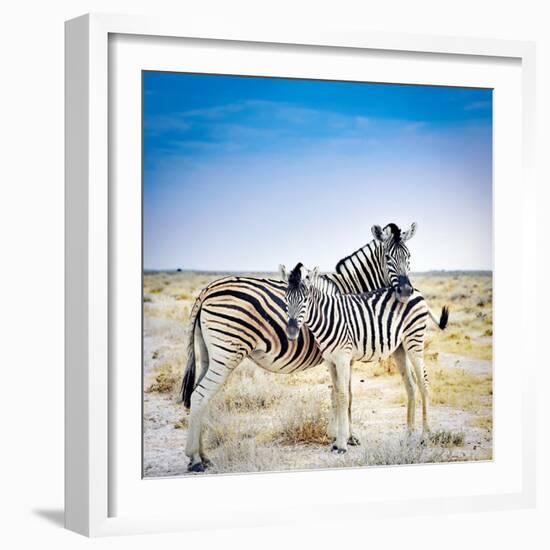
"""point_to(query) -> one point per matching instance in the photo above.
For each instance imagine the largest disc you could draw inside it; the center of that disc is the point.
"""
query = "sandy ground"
(262, 421)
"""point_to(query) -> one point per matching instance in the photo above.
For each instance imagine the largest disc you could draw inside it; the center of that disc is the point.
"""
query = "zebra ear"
(313, 274)
(283, 273)
(379, 234)
(406, 235)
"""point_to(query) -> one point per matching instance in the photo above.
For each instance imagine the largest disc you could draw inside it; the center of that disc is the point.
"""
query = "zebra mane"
(396, 234)
(342, 262)
(295, 277)
(326, 285)
(369, 248)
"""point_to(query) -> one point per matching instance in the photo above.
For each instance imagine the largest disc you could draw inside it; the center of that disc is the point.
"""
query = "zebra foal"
(360, 327)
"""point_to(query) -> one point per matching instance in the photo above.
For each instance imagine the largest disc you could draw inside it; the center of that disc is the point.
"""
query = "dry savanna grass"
(470, 299)
(262, 421)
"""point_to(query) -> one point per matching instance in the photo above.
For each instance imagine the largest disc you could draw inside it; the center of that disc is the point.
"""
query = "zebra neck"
(319, 313)
(362, 271)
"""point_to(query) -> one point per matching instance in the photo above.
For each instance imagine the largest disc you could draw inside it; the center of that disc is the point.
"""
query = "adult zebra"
(360, 327)
(238, 317)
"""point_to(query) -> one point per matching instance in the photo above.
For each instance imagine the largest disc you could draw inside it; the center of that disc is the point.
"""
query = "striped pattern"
(370, 326)
(381, 263)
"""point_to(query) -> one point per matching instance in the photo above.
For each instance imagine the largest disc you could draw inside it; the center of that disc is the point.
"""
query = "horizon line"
(233, 271)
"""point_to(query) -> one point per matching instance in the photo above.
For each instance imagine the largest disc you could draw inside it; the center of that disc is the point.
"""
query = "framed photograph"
(375, 373)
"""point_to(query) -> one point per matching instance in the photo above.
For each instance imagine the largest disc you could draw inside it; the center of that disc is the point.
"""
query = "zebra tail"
(188, 382)
(443, 319)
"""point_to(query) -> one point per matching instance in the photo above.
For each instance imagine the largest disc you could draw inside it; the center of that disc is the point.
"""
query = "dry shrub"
(182, 423)
(241, 410)
(482, 301)
(167, 375)
(447, 438)
(305, 421)
(165, 382)
(431, 356)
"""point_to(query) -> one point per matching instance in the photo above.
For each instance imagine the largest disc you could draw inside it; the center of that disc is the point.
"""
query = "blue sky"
(244, 173)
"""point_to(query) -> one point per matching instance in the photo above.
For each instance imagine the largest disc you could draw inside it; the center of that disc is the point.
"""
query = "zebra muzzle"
(292, 329)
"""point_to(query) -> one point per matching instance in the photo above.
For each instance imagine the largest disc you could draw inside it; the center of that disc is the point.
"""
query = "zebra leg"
(417, 359)
(205, 390)
(342, 368)
(406, 374)
(332, 426)
(353, 440)
(204, 360)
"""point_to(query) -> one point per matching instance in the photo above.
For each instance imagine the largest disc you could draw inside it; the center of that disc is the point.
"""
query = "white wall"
(31, 278)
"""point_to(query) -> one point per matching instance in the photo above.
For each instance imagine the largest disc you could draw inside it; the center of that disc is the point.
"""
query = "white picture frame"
(94, 444)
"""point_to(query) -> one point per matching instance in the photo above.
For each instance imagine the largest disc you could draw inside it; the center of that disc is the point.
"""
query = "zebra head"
(297, 297)
(396, 256)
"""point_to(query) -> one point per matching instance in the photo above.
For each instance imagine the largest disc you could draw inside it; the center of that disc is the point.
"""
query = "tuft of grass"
(167, 378)
(164, 383)
(447, 438)
(182, 423)
(155, 290)
(306, 422)
(431, 356)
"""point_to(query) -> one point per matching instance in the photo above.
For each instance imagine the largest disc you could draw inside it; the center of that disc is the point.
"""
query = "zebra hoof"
(206, 462)
(198, 467)
(337, 450)
(354, 441)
